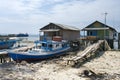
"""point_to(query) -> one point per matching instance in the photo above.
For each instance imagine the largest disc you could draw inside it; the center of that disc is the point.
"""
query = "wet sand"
(105, 67)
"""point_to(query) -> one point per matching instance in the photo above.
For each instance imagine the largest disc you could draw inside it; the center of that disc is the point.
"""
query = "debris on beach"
(105, 66)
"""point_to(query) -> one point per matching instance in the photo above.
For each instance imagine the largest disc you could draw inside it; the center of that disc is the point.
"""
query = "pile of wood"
(90, 51)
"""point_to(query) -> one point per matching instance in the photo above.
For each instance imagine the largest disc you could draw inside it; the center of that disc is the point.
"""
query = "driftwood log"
(89, 52)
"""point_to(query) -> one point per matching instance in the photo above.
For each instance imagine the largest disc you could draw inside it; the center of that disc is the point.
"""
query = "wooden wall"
(70, 35)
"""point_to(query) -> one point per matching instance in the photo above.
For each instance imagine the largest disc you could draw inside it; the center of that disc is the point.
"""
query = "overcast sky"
(27, 16)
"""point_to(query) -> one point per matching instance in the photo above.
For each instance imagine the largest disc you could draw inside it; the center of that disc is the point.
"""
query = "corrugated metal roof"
(67, 27)
(50, 30)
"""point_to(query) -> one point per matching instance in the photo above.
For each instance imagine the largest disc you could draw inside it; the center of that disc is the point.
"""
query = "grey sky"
(21, 16)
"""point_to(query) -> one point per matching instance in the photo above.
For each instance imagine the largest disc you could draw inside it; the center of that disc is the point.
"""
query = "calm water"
(29, 38)
(33, 37)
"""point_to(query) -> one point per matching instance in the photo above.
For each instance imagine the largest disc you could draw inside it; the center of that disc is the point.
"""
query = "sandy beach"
(104, 67)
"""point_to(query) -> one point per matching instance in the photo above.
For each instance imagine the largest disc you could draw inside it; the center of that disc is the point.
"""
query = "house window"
(115, 34)
(56, 33)
(91, 33)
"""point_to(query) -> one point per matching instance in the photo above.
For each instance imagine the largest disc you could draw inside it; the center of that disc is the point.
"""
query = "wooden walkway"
(88, 52)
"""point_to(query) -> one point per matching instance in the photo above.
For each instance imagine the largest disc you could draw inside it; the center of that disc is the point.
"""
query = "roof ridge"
(67, 26)
(101, 23)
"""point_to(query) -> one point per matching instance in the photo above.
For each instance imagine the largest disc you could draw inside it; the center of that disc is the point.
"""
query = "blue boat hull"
(7, 44)
(30, 57)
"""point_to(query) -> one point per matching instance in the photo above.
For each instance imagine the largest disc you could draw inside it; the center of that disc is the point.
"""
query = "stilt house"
(100, 31)
(54, 31)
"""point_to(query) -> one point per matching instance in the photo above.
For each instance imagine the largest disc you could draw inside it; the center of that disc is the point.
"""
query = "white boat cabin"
(53, 45)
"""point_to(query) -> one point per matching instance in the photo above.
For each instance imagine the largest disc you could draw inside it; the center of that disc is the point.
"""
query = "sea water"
(24, 41)
(33, 37)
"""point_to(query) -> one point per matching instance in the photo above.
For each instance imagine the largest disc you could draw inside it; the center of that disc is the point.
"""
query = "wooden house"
(100, 31)
(54, 31)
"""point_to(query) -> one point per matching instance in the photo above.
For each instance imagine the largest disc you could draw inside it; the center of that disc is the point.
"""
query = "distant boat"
(15, 35)
(7, 43)
(22, 35)
(48, 49)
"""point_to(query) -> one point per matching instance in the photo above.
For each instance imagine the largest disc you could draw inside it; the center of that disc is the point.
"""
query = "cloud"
(82, 13)
(34, 14)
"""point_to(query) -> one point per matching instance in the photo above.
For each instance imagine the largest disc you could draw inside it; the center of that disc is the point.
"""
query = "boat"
(47, 49)
(6, 43)
(22, 35)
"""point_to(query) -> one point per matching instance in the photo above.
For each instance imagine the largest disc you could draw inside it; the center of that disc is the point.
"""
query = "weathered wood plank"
(89, 51)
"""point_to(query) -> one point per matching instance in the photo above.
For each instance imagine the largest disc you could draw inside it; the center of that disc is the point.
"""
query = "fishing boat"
(22, 35)
(47, 49)
(6, 43)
